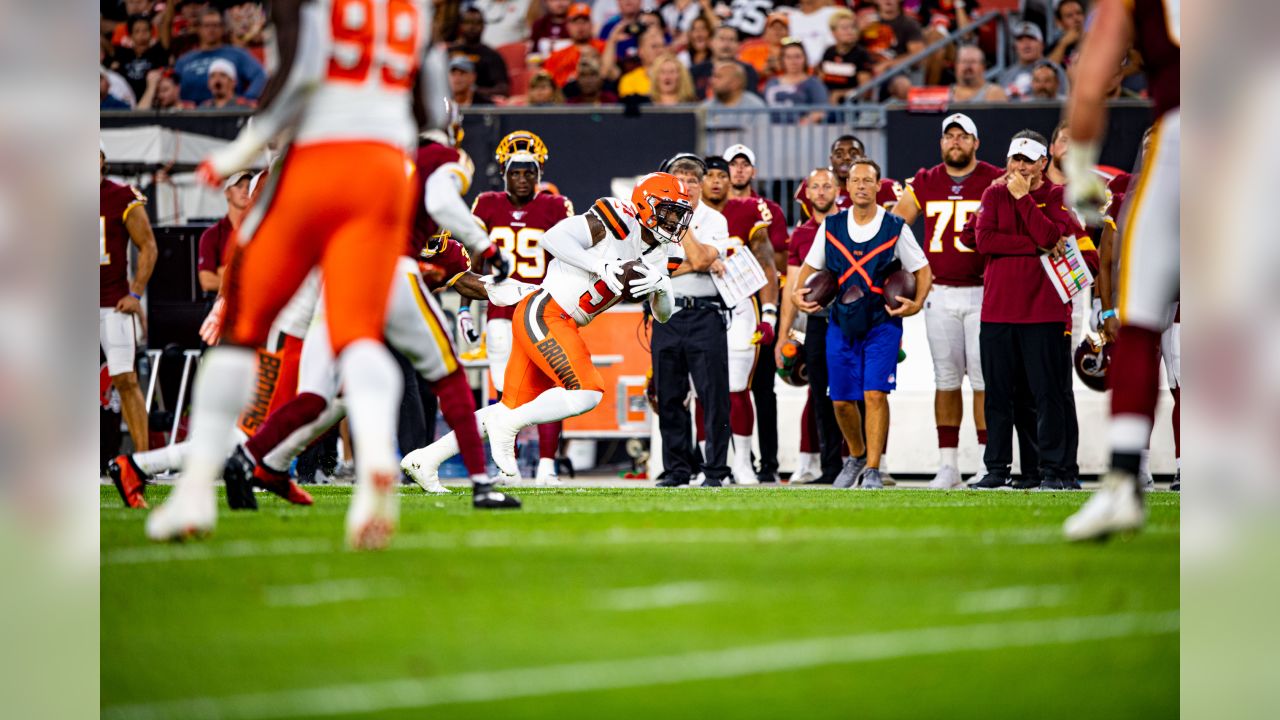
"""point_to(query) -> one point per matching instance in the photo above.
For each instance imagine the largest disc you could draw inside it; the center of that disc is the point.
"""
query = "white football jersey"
(584, 295)
(367, 54)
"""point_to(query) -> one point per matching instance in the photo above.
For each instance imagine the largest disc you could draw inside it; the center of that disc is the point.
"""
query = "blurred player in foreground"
(550, 376)
(1149, 260)
(516, 219)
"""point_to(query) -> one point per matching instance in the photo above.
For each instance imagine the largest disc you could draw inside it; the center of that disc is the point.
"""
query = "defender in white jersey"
(550, 376)
(344, 94)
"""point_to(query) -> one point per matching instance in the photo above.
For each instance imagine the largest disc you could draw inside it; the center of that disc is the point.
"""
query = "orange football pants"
(343, 206)
(277, 382)
(547, 351)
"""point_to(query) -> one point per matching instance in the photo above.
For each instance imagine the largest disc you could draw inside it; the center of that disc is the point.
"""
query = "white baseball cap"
(964, 121)
(739, 149)
(223, 66)
(236, 177)
(1027, 148)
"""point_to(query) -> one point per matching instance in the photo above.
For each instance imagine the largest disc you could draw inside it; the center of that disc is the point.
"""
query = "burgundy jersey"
(1119, 184)
(1157, 36)
(745, 216)
(886, 197)
(431, 157)
(115, 202)
(442, 268)
(946, 206)
(801, 241)
(519, 232)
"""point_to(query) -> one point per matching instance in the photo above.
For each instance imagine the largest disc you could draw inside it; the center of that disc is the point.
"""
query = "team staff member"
(821, 193)
(863, 246)
(844, 151)
(693, 343)
(1023, 318)
(948, 193)
(213, 241)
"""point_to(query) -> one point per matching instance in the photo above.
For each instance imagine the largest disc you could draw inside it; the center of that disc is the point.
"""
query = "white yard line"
(667, 595)
(605, 675)
(1019, 597)
(330, 591)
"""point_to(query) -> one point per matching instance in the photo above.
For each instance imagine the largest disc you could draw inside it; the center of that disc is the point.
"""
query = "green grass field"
(594, 603)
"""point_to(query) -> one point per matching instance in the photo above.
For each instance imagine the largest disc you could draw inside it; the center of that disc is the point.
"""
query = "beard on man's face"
(957, 158)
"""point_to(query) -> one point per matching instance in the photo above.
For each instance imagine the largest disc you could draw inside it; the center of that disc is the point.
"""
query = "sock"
(163, 459)
(1177, 422)
(1144, 462)
(700, 421)
(808, 429)
(459, 409)
(282, 455)
(742, 451)
(810, 462)
(982, 437)
(433, 456)
(549, 440)
(1178, 461)
(288, 418)
(222, 389)
(742, 416)
(555, 404)
(948, 456)
(373, 384)
(982, 454)
(546, 466)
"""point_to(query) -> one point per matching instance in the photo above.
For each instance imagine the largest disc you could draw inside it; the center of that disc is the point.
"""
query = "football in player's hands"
(611, 272)
(638, 280)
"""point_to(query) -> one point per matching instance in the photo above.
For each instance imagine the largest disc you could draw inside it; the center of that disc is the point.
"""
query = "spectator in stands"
(193, 68)
(488, 66)
(162, 92)
(698, 41)
(245, 23)
(213, 243)
(462, 82)
(811, 25)
(724, 48)
(551, 31)
(900, 88)
(119, 28)
(636, 80)
(795, 86)
(107, 101)
(937, 18)
(178, 32)
(971, 79)
(588, 87)
(765, 52)
(679, 16)
(1069, 16)
(543, 90)
(505, 21)
(729, 91)
(846, 64)
(141, 57)
(222, 88)
(669, 81)
(629, 18)
(1028, 45)
(1046, 82)
(892, 37)
(563, 63)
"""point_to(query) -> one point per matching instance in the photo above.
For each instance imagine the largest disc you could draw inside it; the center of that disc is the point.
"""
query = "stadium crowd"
(210, 54)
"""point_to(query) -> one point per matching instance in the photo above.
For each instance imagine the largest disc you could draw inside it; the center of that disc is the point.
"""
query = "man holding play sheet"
(1024, 319)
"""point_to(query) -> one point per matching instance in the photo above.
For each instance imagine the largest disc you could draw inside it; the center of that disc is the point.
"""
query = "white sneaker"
(502, 440)
(374, 511)
(188, 513)
(1148, 482)
(423, 474)
(808, 470)
(547, 476)
(948, 478)
(1115, 507)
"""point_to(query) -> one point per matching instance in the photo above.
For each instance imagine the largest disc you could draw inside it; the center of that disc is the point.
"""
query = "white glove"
(1086, 193)
(611, 272)
(467, 326)
(211, 328)
(649, 283)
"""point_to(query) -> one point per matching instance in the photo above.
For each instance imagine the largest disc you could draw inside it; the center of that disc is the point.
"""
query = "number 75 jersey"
(519, 233)
(947, 204)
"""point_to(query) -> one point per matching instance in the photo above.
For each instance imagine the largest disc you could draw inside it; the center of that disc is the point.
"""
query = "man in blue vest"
(863, 246)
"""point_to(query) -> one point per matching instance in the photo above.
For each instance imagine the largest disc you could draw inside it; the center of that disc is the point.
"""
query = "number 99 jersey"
(519, 232)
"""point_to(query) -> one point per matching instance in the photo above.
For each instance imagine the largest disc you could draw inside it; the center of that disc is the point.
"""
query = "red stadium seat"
(519, 80)
(514, 55)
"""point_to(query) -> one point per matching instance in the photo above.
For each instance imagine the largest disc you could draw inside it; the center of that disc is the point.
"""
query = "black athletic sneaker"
(237, 474)
(1052, 483)
(1176, 485)
(991, 481)
(1025, 482)
(673, 481)
(484, 497)
(712, 482)
(1072, 483)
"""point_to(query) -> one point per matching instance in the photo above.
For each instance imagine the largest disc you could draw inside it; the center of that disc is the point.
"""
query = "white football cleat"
(1147, 480)
(502, 440)
(374, 511)
(1116, 507)
(743, 472)
(424, 474)
(808, 470)
(547, 476)
(948, 478)
(188, 513)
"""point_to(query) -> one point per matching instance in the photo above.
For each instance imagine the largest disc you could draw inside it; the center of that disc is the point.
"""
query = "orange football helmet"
(663, 206)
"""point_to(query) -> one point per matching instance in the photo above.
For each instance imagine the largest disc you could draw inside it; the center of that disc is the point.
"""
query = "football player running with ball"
(549, 376)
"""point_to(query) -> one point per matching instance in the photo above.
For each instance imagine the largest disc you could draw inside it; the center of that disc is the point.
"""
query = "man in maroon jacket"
(1023, 318)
